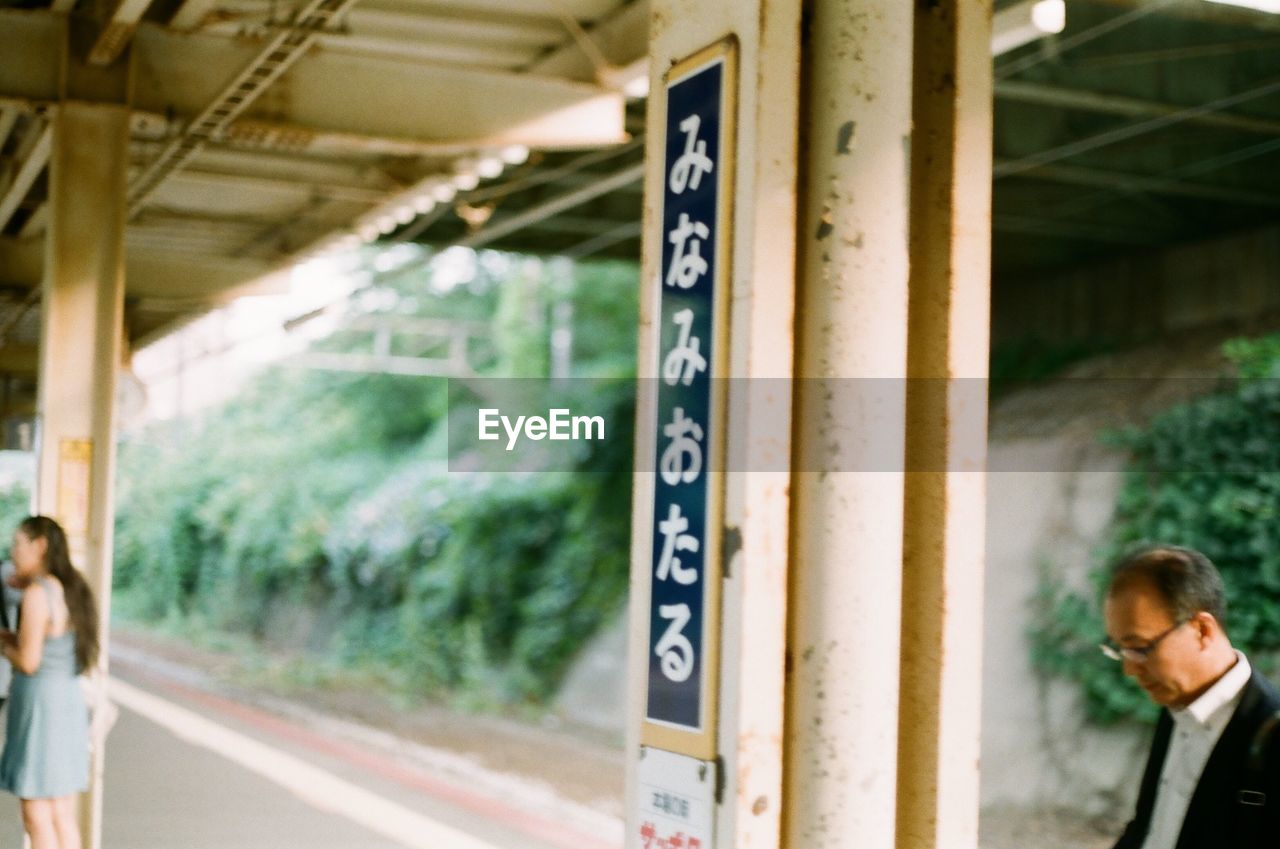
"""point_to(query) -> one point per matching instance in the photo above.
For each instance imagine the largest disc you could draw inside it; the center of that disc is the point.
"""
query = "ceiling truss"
(261, 134)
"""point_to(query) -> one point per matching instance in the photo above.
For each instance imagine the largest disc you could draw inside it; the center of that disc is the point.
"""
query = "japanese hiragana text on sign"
(688, 433)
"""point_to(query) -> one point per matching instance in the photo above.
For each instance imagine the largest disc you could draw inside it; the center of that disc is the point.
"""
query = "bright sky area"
(206, 361)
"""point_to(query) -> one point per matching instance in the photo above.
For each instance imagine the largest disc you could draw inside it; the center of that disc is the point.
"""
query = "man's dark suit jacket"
(1215, 815)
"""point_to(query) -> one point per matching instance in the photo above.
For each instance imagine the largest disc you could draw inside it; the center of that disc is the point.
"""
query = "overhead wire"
(1017, 66)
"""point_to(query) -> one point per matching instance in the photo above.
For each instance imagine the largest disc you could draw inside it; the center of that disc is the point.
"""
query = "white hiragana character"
(684, 360)
(674, 648)
(685, 435)
(675, 539)
(687, 264)
(693, 163)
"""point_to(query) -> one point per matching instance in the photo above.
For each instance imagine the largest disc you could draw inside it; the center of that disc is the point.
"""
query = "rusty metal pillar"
(82, 334)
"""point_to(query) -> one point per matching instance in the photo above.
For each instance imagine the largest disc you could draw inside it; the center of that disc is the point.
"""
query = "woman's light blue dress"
(46, 746)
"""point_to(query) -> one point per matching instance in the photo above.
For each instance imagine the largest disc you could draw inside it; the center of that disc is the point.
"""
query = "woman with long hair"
(46, 749)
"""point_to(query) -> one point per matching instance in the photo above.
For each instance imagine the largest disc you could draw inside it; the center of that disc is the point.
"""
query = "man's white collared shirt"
(1196, 729)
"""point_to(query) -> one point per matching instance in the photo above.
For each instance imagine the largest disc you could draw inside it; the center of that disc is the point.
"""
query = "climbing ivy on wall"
(1204, 474)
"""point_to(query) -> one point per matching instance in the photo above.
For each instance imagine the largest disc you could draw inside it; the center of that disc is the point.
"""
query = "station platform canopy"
(1139, 125)
(265, 131)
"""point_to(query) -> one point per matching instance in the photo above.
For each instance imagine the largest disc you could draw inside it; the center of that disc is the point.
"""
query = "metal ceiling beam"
(1077, 38)
(573, 181)
(252, 138)
(1133, 107)
(162, 275)
(1210, 13)
(21, 262)
(18, 313)
(35, 224)
(1033, 226)
(1133, 130)
(336, 104)
(30, 169)
(157, 215)
(421, 224)
(381, 98)
(620, 40)
(410, 37)
(1024, 22)
(249, 134)
(563, 173)
(119, 29)
(267, 66)
(21, 360)
(191, 14)
(1223, 49)
(1121, 182)
(223, 160)
(357, 194)
(505, 226)
(621, 233)
(574, 225)
(527, 31)
(8, 117)
(285, 238)
(442, 52)
(534, 30)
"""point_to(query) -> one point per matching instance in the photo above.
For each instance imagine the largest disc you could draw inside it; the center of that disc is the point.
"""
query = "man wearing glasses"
(1213, 778)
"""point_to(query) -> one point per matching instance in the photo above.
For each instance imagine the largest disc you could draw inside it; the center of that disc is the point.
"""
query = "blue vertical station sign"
(689, 429)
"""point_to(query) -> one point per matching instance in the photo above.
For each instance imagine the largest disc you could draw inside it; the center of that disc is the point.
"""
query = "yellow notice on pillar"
(75, 460)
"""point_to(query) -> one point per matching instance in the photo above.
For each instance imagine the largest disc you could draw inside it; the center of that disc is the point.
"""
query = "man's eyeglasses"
(1138, 654)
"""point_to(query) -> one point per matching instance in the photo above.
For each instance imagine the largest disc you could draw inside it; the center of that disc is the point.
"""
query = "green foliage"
(317, 508)
(15, 505)
(601, 294)
(520, 327)
(1255, 358)
(1204, 474)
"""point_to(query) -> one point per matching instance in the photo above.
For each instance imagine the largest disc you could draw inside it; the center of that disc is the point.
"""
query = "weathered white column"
(764, 38)
(847, 488)
(80, 352)
(946, 428)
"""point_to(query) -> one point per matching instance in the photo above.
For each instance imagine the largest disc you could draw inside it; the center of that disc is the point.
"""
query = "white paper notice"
(676, 804)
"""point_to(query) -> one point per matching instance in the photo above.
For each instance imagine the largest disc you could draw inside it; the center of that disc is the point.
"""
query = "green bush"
(1204, 474)
(329, 493)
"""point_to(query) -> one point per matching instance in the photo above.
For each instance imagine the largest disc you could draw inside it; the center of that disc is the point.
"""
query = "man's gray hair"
(1186, 579)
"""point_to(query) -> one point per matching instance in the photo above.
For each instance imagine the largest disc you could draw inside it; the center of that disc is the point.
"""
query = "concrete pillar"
(80, 351)
(756, 481)
(945, 510)
(883, 547)
(847, 486)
